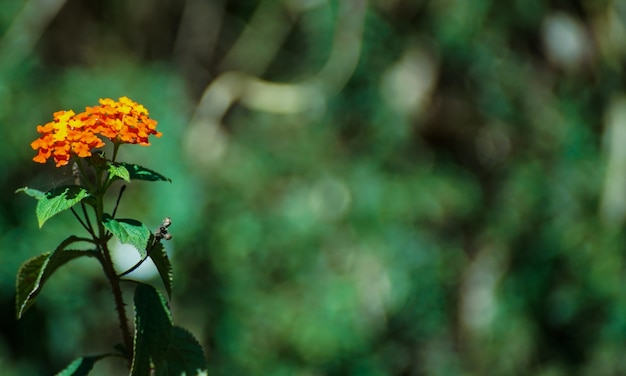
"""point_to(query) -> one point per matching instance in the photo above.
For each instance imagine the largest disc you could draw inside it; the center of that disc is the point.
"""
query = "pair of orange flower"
(122, 121)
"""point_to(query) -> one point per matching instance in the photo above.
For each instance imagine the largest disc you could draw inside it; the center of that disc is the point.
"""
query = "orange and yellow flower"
(123, 122)
(64, 136)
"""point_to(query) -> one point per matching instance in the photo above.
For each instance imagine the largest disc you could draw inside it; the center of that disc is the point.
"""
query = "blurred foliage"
(392, 187)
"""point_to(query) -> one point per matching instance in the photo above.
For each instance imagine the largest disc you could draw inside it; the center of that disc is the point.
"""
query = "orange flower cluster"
(123, 122)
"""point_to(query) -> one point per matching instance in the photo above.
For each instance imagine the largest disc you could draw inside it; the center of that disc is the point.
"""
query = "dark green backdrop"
(384, 187)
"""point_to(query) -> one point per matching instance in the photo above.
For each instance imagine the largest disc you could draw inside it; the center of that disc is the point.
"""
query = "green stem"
(116, 147)
(82, 204)
(82, 223)
(109, 269)
(138, 264)
(117, 203)
(111, 275)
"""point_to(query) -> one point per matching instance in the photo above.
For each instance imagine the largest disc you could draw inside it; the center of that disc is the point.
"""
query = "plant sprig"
(155, 346)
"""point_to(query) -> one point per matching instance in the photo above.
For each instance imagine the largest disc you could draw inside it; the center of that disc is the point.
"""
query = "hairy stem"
(109, 269)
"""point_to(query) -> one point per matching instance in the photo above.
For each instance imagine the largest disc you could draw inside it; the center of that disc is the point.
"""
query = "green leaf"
(81, 366)
(185, 355)
(137, 172)
(167, 349)
(163, 265)
(128, 231)
(56, 200)
(32, 192)
(153, 330)
(28, 280)
(118, 171)
(35, 272)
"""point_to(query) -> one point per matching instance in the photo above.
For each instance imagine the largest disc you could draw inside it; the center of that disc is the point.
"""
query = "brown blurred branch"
(26, 29)
(268, 27)
(267, 96)
(286, 98)
(197, 36)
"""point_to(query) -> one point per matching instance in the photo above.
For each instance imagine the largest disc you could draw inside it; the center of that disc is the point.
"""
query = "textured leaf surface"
(185, 355)
(163, 265)
(118, 171)
(128, 231)
(153, 330)
(81, 366)
(137, 172)
(28, 281)
(35, 272)
(55, 201)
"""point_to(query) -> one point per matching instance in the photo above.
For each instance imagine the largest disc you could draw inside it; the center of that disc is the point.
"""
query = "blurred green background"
(384, 187)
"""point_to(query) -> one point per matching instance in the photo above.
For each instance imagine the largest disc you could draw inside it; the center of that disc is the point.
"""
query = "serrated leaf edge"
(139, 327)
(45, 272)
(164, 267)
(41, 219)
(107, 220)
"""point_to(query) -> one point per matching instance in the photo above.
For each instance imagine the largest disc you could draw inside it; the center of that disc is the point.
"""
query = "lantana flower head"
(122, 121)
(64, 136)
